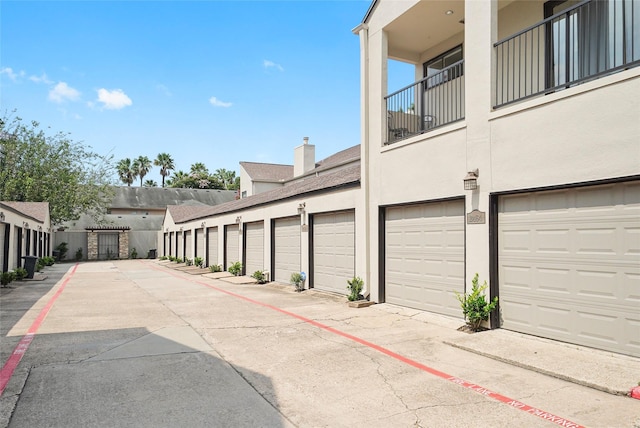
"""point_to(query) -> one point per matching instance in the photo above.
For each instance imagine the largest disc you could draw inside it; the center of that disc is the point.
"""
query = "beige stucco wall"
(13, 221)
(585, 133)
(339, 200)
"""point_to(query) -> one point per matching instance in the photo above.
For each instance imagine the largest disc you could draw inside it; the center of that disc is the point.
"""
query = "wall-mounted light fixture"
(239, 219)
(181, 228)
(203, 224)
(1, 216)
(39, 228)
(471, 180)
(301, 207)
(25, 225)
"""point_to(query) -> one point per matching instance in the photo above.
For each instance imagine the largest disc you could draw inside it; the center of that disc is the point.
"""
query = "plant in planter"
(297, 280)
(40, 265)
(20, 273)
(161, 258)
(356, 284)
(49, 261)
(235, 268)
(134, 253)
(198, 261)
(178, 260)
(6, 278)
(474, 306)
(79, 254)
(215, 268)
(188, 261)
(259, 276)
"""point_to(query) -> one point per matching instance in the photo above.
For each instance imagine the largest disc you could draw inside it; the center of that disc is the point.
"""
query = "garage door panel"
(287, 248)
(333, 251)
(254, 236)
(188, 244)
(424, 256)
(212, 242)
(232, 245)
(199, 237)
(574, 256)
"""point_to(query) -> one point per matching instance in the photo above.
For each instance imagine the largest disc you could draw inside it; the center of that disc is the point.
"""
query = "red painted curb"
(477, 388)
(635, 392)
(16, 356)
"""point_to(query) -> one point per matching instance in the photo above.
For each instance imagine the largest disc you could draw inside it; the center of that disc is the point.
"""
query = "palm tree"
(178, 179)
(141, 166)
(227, 178)
(150, 183)
(165, 162)
(126, 172)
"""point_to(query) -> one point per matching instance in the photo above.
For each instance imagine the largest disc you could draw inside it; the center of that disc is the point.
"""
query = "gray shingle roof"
(158, 197)
(35, 210)
(346, 177)
(268, 171)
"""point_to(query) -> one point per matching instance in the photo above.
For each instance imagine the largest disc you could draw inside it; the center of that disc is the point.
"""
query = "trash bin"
(30, 265)
(152, 253)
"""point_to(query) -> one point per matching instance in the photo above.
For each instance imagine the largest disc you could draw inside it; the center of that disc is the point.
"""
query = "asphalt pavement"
(135, 343)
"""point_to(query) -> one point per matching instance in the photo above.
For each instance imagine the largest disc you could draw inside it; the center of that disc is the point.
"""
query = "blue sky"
(217, 82)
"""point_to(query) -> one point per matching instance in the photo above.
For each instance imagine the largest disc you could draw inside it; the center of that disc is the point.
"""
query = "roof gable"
(35, 210)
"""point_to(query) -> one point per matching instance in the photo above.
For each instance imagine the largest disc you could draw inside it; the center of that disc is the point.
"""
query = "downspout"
(362, 31)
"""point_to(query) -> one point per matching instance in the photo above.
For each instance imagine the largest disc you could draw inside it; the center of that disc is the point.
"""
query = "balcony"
(580, 43)
(427, 104)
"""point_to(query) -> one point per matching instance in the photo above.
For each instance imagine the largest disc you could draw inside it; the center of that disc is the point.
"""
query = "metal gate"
(108, 246)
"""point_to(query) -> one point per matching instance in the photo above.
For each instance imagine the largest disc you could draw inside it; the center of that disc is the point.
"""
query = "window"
(436, 67)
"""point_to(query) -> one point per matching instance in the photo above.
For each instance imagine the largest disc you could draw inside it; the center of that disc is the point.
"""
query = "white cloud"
(217, 103)
(63, 92)
(270, 64)
(10, 73)
(114, 99)
(41, 79)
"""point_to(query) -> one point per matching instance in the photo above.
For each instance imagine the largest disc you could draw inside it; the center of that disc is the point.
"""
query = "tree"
(126, 171)
(165, 162)
(227, 179)
(36, 167)
(141, 165)
(150, 183)
(179, 179)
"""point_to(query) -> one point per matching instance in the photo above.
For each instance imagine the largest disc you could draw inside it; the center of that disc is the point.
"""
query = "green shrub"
(134, 253)
(235, 269)
(198, 261)
(260, 277)
(39, 265)
(188, 261)
(6, 278)
(297, 280)
(163, 258)
(79, 254)
(474, 305)
(215, 268)
(62, 248)
(49, 261)
(356, 284)
(171, 258)
(178, 260)
(20, 273)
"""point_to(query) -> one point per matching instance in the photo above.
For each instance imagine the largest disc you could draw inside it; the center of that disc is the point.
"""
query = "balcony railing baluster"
(429, 103)
(584, 42)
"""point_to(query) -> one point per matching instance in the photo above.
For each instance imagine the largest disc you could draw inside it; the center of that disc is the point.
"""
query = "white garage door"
(179, 245)
(254, 247)
(199, 237)
(424, 256)
(333, 251)
(212, 242)
(286, 236)
(569, 265)
(232, 244)
(188, 239)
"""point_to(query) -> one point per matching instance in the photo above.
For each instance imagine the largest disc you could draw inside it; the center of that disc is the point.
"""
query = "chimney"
(304, 158)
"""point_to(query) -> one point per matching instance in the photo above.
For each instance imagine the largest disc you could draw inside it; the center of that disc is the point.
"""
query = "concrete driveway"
(134, 343)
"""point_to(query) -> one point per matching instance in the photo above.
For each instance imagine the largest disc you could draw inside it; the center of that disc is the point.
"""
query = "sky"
(216, 82)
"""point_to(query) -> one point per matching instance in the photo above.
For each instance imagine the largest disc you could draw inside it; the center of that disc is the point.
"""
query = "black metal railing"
(583, 42)
(427, 104)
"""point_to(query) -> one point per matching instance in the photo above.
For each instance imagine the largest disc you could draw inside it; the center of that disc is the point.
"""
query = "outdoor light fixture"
(203, 224)
(301, 208)
(25, 225)
(238, 219)
(471, 180)
(1, 216)
(449, 12)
